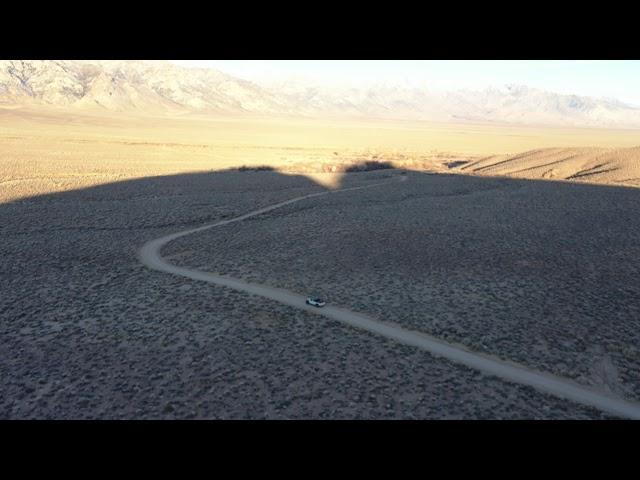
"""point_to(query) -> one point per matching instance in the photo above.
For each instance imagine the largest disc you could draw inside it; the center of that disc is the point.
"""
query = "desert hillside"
(162, 227)
(593, 165)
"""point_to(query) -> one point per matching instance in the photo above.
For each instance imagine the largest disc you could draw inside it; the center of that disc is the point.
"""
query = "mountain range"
(163, 88)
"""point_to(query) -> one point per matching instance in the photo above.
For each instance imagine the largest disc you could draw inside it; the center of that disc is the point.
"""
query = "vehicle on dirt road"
(315, 301)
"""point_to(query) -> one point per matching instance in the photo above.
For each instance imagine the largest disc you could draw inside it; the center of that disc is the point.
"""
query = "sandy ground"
(151, 255)
(88, 332)
(541, 273)
(52, 151)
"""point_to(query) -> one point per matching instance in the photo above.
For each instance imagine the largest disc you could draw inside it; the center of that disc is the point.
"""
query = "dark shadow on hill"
(254, 168)
(340, 167)
(368, 166)
(86, 330)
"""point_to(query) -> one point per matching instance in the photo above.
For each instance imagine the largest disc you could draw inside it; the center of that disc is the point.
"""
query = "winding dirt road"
(150, 256)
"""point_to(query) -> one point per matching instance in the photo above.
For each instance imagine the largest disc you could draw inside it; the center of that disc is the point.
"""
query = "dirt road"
(150, 256)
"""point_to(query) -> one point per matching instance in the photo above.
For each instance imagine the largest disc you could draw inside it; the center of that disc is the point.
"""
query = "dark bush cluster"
(365, 166)
(255, 168)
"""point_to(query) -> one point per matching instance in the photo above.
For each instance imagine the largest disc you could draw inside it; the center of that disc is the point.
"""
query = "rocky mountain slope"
(162, 87)
(130, 85)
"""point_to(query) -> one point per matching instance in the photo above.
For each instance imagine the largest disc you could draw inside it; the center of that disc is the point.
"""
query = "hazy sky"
(599, 78)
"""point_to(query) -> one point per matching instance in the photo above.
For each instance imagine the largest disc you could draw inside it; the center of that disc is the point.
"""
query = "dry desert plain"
(540, 272)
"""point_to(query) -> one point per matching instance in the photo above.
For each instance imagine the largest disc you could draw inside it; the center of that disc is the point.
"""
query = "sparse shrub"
(369, 165)
(255, 168)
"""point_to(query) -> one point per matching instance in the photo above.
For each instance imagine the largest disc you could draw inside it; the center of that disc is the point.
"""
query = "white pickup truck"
(315, 301)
